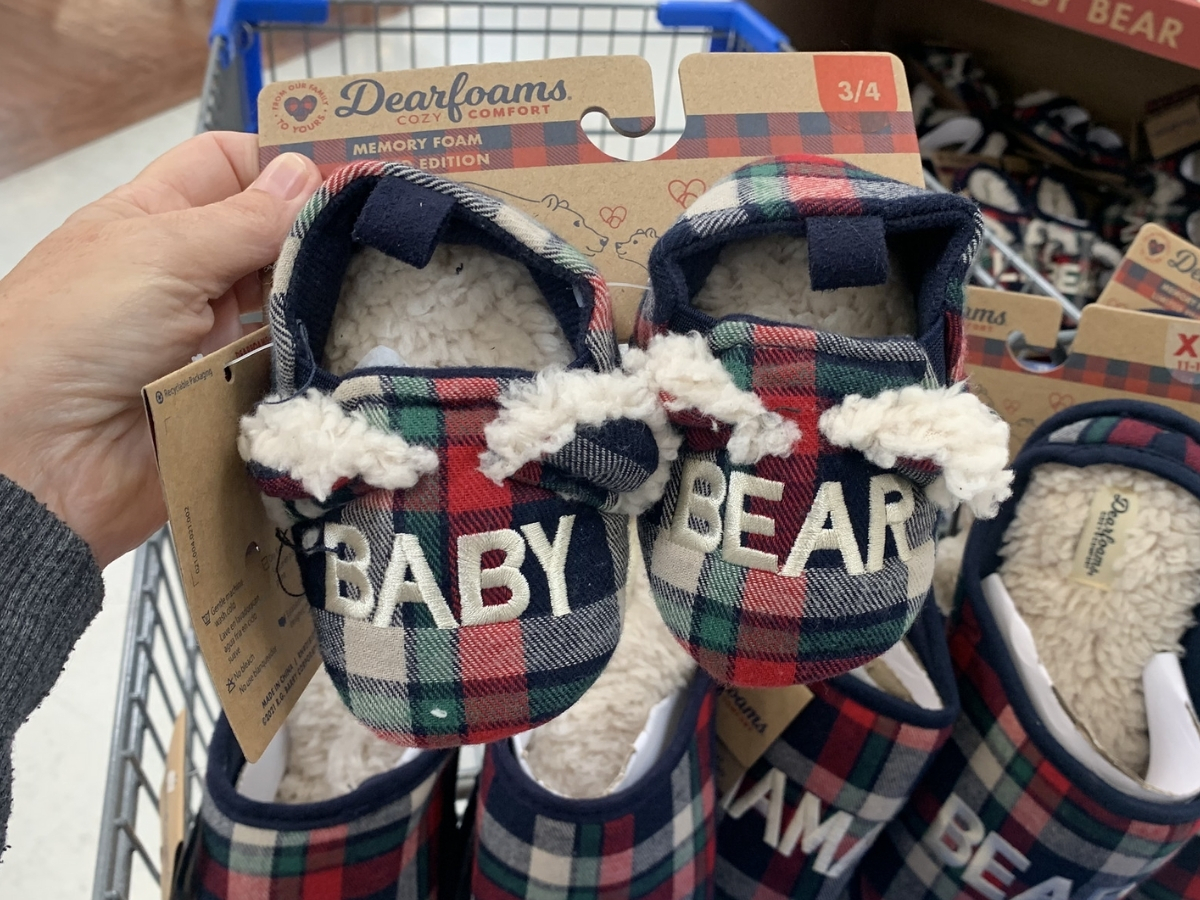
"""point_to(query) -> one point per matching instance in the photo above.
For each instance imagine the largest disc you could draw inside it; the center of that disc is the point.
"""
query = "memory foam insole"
(1095, 642)
(467, 307)
(768, 277)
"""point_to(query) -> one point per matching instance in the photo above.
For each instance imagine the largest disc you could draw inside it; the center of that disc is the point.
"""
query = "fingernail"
(283, 177)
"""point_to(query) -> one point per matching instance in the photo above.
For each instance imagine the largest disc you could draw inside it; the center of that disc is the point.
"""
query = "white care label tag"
(1103, 539)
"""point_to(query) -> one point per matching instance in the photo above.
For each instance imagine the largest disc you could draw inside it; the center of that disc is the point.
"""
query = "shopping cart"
(259, 41)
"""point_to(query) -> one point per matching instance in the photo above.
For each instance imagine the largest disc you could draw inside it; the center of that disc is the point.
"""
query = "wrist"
(34, 482)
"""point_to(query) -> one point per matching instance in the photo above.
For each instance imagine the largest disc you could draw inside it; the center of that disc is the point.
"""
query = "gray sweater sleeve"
(50, 589)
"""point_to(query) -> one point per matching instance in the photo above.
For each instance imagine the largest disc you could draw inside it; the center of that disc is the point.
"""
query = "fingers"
(213, 246)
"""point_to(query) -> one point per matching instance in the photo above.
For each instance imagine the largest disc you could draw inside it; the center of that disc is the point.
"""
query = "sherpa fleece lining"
(323, 256)
(933, 232)
(623, 802)
(982, 558)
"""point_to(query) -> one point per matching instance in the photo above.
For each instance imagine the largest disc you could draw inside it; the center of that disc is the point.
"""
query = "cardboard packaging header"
(512, 129)
(1117, 353)
(1159, 273)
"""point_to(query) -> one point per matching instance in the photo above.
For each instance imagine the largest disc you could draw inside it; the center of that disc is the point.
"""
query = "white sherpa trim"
(682, 369)
(948, 426)
(539, 417)
(318, 443)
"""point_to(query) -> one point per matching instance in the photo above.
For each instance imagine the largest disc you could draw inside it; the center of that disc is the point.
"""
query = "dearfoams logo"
(1103, 537)
(450, 103)
(299, 107)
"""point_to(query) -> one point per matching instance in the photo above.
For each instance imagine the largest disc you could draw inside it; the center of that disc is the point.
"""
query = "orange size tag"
(853, 83)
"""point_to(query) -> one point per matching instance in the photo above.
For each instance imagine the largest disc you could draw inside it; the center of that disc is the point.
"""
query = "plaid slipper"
(841, 445)
(651, 839)
(1020, 802)
(461, 532)
(1178, 879)
(802, 817)
(388, 838)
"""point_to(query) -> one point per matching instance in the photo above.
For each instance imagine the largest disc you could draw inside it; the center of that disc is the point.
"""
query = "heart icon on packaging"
(1061, 401)
(300, 108)
(1011, 406)
(685, 193)
(613, 216)
(1155, 248)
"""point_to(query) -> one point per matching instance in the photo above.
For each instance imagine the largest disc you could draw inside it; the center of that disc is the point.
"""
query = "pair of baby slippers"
(459, 507)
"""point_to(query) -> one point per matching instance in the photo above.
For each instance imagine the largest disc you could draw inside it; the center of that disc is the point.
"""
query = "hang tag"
(1103, 538)
(172, 803)
(1160, 272)
(242, 588)
(749, 720)
(514, 130)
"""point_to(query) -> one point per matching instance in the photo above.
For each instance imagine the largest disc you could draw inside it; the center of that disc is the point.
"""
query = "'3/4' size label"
(1103, 539)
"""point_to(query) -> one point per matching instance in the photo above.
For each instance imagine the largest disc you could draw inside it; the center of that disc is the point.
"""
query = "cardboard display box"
(1117, 354)
(1114, 81)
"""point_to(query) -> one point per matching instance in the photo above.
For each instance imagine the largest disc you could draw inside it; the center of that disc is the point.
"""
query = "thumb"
(243, 233)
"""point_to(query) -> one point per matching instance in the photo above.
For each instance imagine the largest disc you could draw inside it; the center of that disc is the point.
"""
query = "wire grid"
(161, 674)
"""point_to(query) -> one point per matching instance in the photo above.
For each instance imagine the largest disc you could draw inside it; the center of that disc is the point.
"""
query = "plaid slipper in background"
(1178, 879)
(461, 532)
(803, 816)
(1022, 801)
(392, 837)
(651, 839)
(794, 541)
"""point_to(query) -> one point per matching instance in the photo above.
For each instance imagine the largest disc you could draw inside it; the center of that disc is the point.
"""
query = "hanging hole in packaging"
(1032, 358)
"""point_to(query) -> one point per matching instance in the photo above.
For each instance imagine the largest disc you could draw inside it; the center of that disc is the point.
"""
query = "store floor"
(61, 754)
(74, 70)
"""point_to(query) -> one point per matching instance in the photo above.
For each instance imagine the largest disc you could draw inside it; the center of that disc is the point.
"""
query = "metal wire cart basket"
(260, 41)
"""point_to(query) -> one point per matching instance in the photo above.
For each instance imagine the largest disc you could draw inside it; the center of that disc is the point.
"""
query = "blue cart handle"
(727, 18)
(231, 16)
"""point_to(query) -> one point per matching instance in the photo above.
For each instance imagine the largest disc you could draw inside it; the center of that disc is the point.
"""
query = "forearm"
(50, 589)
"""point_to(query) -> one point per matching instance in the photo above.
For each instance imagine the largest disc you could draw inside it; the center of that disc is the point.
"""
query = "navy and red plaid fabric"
(386, 839)
(652, 840)
(751, 624)
(1005, 808)
(1178, 879)
(1126, 431)
(829, 784)
(387, 571)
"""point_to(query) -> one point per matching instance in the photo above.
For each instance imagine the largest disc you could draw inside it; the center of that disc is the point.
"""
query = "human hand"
(123, 293)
